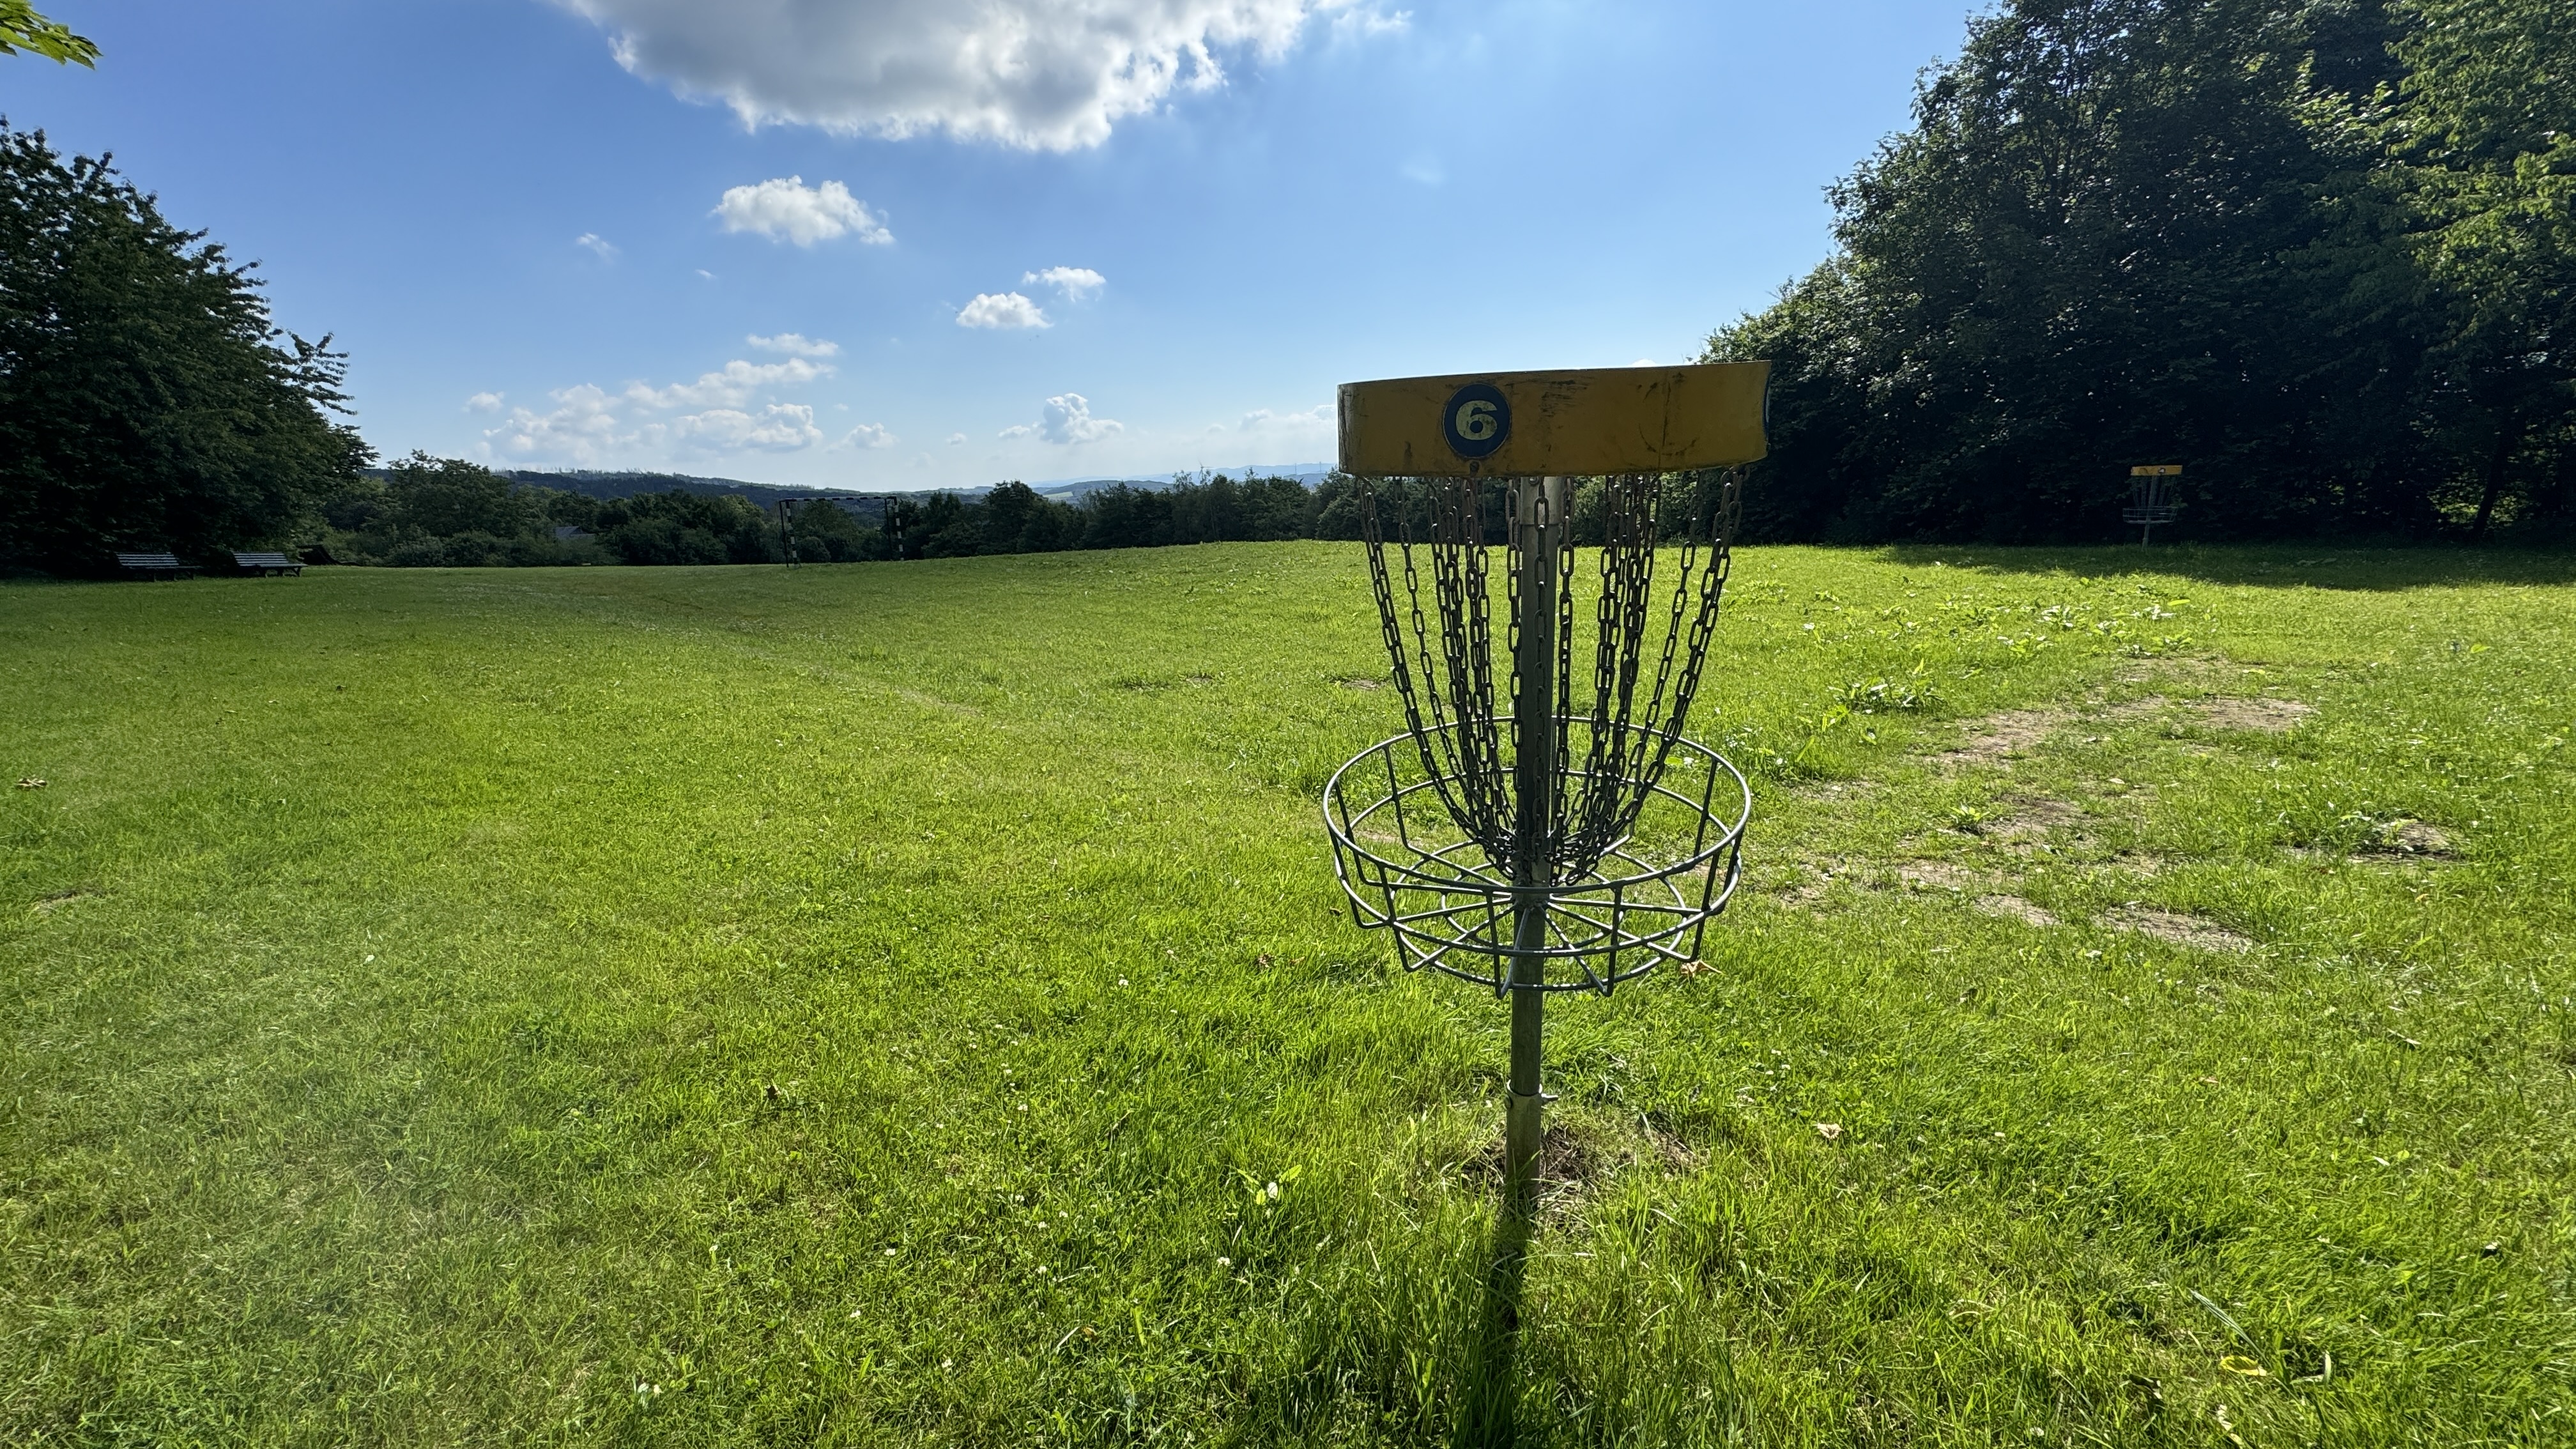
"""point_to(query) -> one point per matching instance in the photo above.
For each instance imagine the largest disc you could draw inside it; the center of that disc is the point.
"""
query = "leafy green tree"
(21, 28)
(2484, 135)
(828, 533)
(2112, 236)
(1018, 519)
(145, 399)
(445, 496)
(432, 512)
(687, 528)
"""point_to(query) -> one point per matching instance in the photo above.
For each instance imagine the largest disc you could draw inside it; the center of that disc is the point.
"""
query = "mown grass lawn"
(874, 1005)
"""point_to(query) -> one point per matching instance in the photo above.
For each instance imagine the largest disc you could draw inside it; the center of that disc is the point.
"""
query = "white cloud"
(484, 402)
(1075, 283)
(730, 387)
(1068, 420)
(777, 428)
(598, 245)
(589, 424)
(1037, 74)
(1002, 309)
(1363, 24)
(795, 344)
(1319, 418)
(956, 440)
(582, 428)
(866, 435)
(784, 208)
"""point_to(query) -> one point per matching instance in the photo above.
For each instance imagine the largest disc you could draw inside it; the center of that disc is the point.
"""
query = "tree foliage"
(2315, 253)
(145, 398)
(431, 512)
(21, 28)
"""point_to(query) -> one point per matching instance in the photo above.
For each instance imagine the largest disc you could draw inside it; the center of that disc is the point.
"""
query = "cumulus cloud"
(1068, 419)
(731, 386)
(590, 424)
(784, 208)
(795, 344)
(583, 427)
(866, 435)
(1076, 283)
(1305, 428)
(956, 440)
(1320, 417)
(484, 402)
(598, 246)
(1036, 74)
(1002, 309)
(777, 428)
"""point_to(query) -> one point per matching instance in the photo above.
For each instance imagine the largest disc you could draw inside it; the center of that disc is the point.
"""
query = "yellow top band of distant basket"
(1594, 421)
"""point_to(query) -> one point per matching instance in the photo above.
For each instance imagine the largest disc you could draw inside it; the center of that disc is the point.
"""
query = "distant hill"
(1068, 489)
(627, 485)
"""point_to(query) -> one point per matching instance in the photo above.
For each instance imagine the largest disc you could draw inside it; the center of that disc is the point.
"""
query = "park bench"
(155, 565)
(265, 564)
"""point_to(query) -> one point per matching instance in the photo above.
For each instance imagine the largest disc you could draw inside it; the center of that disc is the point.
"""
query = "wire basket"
(1407, 866)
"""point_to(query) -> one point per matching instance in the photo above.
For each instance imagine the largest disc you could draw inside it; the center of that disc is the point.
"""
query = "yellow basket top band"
(1593, 421)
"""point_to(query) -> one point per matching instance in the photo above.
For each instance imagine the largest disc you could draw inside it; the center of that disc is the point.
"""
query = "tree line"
(427, 511)
(430, 512)
(2323, 255)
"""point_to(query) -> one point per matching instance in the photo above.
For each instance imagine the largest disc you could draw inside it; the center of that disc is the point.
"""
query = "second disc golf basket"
(2151, 498)
(1544, 823)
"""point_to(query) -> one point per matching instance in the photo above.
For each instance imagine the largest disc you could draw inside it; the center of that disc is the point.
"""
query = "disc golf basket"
(2151, 498)
(1543, 823)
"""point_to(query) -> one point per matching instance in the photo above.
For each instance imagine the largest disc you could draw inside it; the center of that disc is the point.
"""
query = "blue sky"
(746, 239)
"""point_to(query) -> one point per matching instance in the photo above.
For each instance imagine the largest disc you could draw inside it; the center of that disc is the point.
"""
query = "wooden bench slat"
(154, 565)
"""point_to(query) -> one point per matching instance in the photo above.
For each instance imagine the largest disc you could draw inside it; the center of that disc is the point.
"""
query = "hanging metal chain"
(1445, 672)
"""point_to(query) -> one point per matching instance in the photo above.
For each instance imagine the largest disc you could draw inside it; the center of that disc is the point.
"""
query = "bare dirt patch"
(1363, 684)
(60, 899)
(2414, 837)
(2028, 819)
(1997, 738)
(2265, 714)
(1574, 1157)
(2129, 710)
(2016, 909)
(1938, 875)
(2198, 932)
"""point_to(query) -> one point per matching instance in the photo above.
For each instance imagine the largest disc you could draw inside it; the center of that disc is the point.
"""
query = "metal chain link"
(1629, 742)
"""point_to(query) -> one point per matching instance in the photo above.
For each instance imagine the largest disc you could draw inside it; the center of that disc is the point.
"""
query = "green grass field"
(907, 1004)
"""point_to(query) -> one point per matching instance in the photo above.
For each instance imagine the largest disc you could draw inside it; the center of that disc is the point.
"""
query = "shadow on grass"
(1490, 1387)
(2300, 565)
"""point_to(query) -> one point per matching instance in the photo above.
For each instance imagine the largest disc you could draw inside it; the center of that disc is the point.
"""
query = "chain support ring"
(1407, 868)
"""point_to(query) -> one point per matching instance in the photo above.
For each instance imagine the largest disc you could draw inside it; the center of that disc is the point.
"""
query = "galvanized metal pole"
(1539, 522)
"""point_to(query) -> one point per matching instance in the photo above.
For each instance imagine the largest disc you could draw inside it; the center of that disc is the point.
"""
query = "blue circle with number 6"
(1477, 420)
